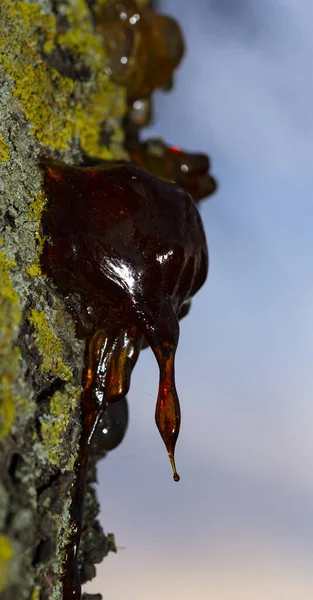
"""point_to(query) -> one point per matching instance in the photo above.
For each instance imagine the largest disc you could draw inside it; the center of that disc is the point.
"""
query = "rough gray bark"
(54, 97)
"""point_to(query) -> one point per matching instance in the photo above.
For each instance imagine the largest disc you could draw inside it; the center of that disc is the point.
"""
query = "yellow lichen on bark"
(10, 316)
(57, 107)
(34, 214)
(53, 425)
(6, 553)
(4, 150)
(49, 346)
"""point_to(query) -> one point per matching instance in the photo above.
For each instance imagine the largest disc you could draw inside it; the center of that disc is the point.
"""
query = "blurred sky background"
(240, 522)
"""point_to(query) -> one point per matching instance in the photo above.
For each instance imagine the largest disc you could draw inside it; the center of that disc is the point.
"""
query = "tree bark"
(55, 98)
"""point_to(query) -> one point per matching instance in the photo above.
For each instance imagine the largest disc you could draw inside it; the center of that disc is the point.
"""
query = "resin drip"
(132, 249)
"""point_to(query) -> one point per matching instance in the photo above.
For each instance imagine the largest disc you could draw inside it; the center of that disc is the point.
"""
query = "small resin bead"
(187, 169)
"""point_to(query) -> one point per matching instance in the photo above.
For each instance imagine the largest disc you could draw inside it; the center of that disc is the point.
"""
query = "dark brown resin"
(132, 248)
(111, 428)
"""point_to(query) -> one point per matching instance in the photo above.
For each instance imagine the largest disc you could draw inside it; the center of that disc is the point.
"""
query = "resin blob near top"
(143, 47)
(132, 247)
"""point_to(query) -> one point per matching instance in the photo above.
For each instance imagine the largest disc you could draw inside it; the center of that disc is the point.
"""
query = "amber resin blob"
(190, 170)
(143, 47)
(132, 248)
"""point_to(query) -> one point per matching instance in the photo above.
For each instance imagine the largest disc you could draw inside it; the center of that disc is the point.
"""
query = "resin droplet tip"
(175, 474)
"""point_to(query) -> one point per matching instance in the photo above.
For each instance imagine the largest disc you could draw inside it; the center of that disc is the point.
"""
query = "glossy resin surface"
(143, 47)
(190, 170)
(132, 248)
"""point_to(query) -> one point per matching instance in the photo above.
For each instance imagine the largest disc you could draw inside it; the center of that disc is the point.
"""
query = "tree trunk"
(55, 98)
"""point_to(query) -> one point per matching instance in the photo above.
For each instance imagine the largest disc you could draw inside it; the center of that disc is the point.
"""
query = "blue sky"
(240, 522)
